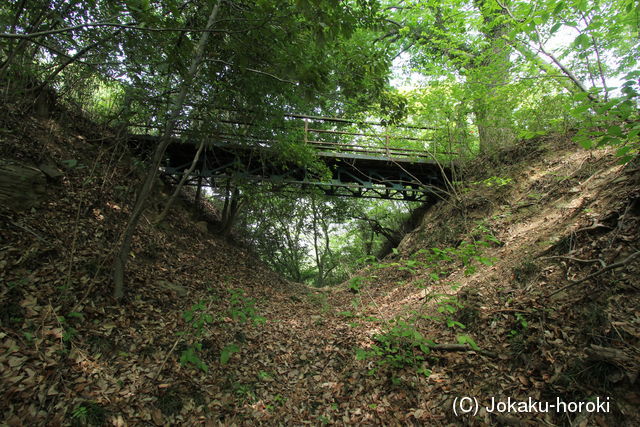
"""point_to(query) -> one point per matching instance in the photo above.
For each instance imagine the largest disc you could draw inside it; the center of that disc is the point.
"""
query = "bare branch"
(129, 26)
(552, 57)
(613, 266)
(254, 71)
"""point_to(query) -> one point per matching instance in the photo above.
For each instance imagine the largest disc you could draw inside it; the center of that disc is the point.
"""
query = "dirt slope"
(551, 215)
(69, 355)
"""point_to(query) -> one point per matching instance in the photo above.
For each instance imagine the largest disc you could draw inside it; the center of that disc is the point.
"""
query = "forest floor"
(520, 229)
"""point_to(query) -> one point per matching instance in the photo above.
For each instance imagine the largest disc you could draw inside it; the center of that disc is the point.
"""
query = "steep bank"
(541, 268)
(64, 343)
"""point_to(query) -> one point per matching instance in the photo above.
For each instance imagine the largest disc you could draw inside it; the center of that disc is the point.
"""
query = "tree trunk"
(198, 195)
(122, 256)
(319, 258)
(227, 198)
(231, 212)
(493, 122)
(492, 108)
(176, 192)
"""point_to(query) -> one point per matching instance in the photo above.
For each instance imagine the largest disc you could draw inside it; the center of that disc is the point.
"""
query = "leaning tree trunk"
(122, 256)
(178, 188)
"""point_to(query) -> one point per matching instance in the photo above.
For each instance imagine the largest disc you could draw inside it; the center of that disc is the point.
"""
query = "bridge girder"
(353, 174)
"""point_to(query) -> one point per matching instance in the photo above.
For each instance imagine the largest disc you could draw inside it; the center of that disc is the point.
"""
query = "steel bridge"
(366, 164)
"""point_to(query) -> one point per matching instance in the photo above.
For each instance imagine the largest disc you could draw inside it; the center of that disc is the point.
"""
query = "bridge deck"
(365, 170)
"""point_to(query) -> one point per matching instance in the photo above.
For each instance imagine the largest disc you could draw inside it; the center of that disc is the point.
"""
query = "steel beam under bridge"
(373, 169)
(353, 174)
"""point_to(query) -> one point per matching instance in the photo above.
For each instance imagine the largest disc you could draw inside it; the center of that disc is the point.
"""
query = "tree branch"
(72, 59)
(460, 347)
(551, 56)
(122, 256)
(254, 71)
(129, 26)
(614, 266)
(176, 192)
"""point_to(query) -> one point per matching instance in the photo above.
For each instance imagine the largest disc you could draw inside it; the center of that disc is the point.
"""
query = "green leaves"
(400, 346)
(190, 356)
(243, 308)
(616, 124)
(466, 339)
(355, 283)
(197, 317)
(361, 354)
(554, 29)
(582, 41)
(227, 352)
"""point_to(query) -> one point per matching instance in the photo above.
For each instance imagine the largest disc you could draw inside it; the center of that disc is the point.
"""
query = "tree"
(122, 255)
(503, 52)
(465, 39)
(258, 60)
(603, 41)
(310, 237)
(275, 227)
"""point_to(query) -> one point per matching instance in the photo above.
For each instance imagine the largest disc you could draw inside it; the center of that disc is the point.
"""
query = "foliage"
(495, 181)
(317, 239)
(68, 331)
(355, 283)
(190, 356)
(598, 32)
(469, 253)
(520, 325)
(197, 317)
(124, 74)
(487, 72)
(245, 392)
(517, 68)
(466, 339)
(615, 123)
(399, 346)
(242, 308)
(227, 352)
(88, 414)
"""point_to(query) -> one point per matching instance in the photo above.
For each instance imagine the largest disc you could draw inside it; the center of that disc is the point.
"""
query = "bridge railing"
(364, 138)
(379, 144)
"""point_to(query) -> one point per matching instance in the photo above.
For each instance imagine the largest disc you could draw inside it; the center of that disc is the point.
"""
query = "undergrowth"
(401, 345)
(240, 308)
